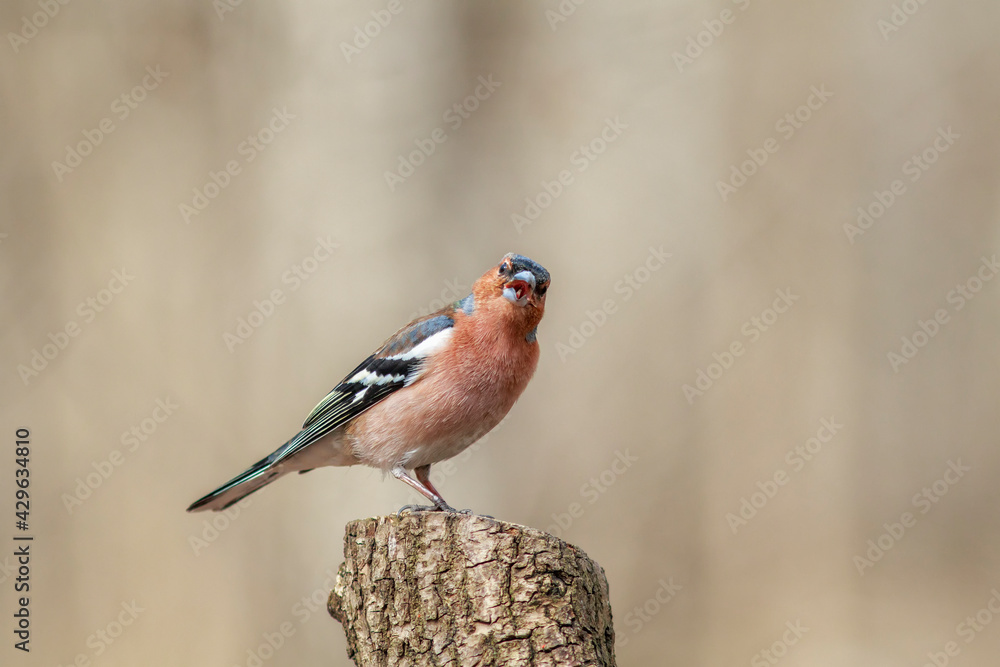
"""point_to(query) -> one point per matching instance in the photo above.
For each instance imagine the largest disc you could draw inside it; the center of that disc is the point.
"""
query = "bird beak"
(519, 288)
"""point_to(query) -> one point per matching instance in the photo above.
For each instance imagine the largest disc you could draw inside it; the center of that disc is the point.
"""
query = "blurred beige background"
(738, 137)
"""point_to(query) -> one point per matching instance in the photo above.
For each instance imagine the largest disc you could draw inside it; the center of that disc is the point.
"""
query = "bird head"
(516, 286)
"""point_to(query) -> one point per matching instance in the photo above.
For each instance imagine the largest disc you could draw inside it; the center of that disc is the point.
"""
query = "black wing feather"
(384, 375)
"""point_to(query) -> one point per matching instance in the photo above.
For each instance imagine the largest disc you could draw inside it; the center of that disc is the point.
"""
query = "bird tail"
(257, 476)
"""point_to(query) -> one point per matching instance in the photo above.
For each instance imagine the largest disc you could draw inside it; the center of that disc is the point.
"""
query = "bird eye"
(501, 270)
(540, 291)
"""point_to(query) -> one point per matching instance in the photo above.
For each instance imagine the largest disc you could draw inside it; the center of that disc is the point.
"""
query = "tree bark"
(434, 588)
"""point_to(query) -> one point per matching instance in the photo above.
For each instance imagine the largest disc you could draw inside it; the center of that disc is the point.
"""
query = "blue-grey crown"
(522, 263)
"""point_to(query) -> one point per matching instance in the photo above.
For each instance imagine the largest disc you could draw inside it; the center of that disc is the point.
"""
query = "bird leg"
(424, 475)
(424, 487)
(424, 478)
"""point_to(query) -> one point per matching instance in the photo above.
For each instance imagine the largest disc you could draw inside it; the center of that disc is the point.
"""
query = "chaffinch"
(432, 389)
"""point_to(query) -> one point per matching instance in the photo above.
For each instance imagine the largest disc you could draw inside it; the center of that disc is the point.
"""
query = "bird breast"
(467, 389)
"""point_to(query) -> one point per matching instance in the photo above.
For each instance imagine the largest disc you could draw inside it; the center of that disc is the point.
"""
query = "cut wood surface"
(435, 588)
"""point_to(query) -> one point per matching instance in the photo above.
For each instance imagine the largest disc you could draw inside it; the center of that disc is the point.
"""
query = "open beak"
(519, 288)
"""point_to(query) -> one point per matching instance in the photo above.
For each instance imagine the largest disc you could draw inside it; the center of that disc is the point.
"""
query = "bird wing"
(397, 364)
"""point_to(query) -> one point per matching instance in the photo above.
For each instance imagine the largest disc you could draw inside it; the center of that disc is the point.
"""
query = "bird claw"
(415, 508)
(468, 512)
(443, 507)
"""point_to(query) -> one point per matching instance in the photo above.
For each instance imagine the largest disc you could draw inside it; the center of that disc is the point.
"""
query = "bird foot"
(443, 507)
(416, 508)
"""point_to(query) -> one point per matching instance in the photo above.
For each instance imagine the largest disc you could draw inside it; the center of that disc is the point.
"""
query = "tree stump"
(434, 588)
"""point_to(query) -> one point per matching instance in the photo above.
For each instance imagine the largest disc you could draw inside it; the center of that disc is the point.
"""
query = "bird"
(429, 391)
